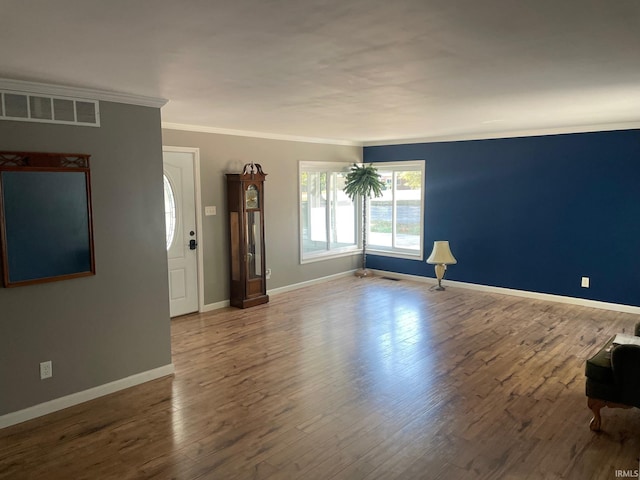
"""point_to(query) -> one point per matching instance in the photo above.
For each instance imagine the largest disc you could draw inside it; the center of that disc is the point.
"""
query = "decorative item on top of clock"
(252, 168)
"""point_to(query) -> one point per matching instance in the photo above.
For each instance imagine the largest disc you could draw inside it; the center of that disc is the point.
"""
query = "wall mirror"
(46, 231)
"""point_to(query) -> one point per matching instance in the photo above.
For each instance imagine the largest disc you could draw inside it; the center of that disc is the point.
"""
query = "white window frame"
(327, 167)
(393, 251)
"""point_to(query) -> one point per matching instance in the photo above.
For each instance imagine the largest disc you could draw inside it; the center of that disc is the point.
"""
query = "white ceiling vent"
(30, 107)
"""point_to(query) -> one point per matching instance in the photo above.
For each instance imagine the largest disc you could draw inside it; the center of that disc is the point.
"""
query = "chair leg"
(595, 405)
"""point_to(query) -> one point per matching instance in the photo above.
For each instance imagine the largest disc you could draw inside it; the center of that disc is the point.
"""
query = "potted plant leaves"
(363, 181)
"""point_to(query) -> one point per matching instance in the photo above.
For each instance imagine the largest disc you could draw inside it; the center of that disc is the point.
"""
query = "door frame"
(195, 155)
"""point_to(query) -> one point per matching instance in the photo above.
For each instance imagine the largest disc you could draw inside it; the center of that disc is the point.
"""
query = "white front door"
(182, 239)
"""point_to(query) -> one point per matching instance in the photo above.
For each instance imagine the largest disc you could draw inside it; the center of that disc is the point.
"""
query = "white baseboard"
(84, 396)
(296, 286)
(275, 291)
(209, 307)
(616, 307)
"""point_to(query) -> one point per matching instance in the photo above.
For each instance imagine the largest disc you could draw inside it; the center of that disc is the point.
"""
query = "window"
(396, 218)
(328, 221)
(169, 212)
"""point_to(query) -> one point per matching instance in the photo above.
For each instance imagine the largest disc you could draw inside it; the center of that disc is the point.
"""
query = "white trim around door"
(195, 152)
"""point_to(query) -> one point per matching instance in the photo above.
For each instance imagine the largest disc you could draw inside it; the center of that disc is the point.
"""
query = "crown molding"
(604, 127)
(252, 134)
(88, 93)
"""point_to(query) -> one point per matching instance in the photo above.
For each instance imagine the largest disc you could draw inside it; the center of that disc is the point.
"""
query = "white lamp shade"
(441, 254)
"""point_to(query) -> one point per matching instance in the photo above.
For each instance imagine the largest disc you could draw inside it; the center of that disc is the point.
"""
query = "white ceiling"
(358, 70)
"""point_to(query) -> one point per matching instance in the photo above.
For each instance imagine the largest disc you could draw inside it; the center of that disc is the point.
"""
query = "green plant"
(363, 181)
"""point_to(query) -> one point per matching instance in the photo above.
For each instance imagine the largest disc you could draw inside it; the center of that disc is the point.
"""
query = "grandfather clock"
(245, 203)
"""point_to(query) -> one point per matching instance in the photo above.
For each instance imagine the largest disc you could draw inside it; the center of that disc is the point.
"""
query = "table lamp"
(441, 256)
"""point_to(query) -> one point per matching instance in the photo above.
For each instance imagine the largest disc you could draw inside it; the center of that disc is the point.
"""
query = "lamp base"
(440, 269)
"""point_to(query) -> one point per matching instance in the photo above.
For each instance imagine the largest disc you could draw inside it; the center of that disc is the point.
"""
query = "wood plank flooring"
(352, 379)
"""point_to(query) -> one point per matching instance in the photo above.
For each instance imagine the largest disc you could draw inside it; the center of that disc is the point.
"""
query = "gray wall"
(220, 154)
(106, 327)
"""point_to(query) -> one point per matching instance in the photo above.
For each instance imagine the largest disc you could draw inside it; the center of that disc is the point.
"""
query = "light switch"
(208, 211)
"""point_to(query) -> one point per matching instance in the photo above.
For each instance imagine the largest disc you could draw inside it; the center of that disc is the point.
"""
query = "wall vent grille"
(30, 107)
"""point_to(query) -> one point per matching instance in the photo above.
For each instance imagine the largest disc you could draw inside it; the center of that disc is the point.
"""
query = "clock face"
(251, 197)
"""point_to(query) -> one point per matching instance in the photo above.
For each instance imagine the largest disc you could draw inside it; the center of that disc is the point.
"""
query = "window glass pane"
(328, 217)
(395, 219)
(169, 212)
(408, 192)
(344, 220)
(313, 204)
(381, 214)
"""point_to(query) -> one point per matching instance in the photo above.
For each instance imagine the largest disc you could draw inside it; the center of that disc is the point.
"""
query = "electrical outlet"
(268, 273)
(585, 282)
(211, 210)
(46, 370)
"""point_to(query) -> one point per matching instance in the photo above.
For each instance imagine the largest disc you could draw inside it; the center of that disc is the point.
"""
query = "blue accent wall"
(532, 213)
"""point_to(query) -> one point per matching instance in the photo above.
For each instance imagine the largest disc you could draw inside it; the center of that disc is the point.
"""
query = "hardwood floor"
(353, 379)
